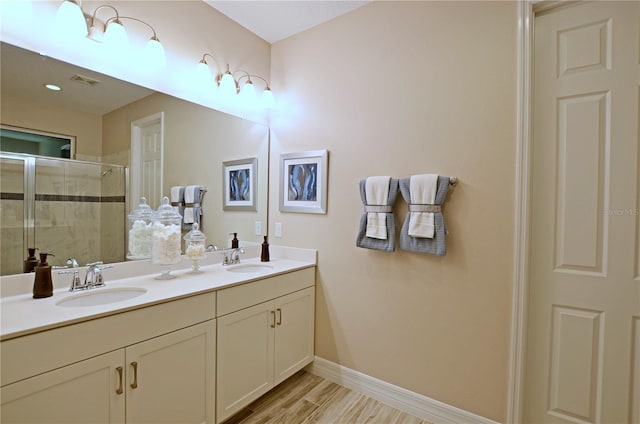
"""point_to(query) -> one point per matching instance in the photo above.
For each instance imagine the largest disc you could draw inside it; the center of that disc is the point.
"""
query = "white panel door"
(584, 298)
(152, 164)
(147, 159)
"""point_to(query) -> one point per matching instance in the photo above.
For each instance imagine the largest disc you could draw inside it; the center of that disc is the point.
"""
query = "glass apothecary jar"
(139, 246)
(195, 247)
(166, 238)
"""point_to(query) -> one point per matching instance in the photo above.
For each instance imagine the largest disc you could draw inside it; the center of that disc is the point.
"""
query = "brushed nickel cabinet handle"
(119, 390)
(279, 316)
(135, 375)
(273, 319)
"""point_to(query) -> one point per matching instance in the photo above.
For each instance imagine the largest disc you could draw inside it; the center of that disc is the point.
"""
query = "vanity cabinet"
(261, 344)
(164, 379)
(154, 364)
(194, 359)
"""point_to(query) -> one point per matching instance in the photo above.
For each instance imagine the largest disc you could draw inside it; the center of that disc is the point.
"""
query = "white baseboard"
(395, 396)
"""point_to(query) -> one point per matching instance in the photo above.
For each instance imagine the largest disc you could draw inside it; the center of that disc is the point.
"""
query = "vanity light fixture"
(203, 72)
(153, 51)
(115, 35)
(112, 32)
(229, 86)
(247, 91)
(267, 100)
(227, 83)
(70, 20)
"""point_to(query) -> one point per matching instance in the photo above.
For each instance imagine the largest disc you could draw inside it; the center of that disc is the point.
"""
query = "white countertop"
(20, 314)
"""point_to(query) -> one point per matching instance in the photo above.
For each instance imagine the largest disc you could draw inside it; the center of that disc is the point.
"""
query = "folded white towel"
(423, 192)
(191, 195)
(377, 193)
(176, 196)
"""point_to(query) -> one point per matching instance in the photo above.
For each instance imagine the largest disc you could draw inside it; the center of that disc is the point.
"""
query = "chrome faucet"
(232, 256)
(92, 279)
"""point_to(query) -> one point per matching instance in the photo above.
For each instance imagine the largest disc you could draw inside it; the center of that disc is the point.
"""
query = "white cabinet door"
(85, 392)
(260, 346)
(170, 378)
(245, 358)
(294, 333)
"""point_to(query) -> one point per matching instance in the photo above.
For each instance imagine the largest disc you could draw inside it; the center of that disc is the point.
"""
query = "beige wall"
(86, 127)
(196, 142)
(401, 88)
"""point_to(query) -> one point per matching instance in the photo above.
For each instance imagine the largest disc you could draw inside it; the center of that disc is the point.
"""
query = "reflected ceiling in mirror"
(25, 74)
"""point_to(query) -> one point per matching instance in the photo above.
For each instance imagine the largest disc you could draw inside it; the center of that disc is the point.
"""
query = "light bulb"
(227, 84)
(115, 35)
(248, 94)
(203, 74)
(268, 102)
(154, 54)
(70, 21)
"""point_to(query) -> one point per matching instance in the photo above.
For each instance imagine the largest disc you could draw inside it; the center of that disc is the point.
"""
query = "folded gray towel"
(388, 245)
(198, 194)
(177, 199)
(436, 245)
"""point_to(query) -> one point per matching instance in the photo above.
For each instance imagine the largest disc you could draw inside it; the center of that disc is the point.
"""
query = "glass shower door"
(14, 236)
(65, 207)
(80, 210)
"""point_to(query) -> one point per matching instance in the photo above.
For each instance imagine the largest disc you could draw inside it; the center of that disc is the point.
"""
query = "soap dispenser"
(43, 284)
(234, 241)
(31, 261)
(264, 256)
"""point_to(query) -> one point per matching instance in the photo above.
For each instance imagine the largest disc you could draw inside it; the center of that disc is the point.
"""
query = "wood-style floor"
(306, 398)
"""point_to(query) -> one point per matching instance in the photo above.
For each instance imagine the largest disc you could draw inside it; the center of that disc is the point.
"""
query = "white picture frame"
(303, 182)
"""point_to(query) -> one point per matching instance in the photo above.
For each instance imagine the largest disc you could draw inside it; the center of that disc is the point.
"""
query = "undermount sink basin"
(101, 296)
(247, 268)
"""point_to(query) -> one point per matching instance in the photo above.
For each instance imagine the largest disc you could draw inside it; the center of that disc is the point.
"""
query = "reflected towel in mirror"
(193, 209)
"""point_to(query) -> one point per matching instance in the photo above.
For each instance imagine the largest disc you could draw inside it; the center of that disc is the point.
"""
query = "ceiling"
(24, 73)
(274, 20)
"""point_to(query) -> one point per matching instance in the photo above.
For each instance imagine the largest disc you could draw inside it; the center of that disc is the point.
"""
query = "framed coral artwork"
(239, 189)
(303, 181)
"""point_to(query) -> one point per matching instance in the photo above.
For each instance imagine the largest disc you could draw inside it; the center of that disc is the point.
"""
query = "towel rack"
(453, 181)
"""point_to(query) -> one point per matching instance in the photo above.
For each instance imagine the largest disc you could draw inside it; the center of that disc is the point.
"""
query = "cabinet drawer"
(34, 354)
(249, 294)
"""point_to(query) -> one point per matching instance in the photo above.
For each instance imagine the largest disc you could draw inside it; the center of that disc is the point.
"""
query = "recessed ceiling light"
(53, 87)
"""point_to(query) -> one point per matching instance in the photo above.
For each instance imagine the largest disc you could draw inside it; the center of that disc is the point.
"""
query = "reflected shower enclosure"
(66, 207)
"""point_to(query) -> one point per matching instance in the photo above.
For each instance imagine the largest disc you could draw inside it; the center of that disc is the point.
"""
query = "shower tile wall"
(112, 211)
(67, 221)
(79, 212)
(12, 247)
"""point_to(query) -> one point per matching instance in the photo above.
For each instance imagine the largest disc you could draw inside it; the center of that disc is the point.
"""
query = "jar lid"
(195, 234)
(166, 211)
(142, 211)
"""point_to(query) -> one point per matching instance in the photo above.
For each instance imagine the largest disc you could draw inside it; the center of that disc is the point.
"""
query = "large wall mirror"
(77, 207)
